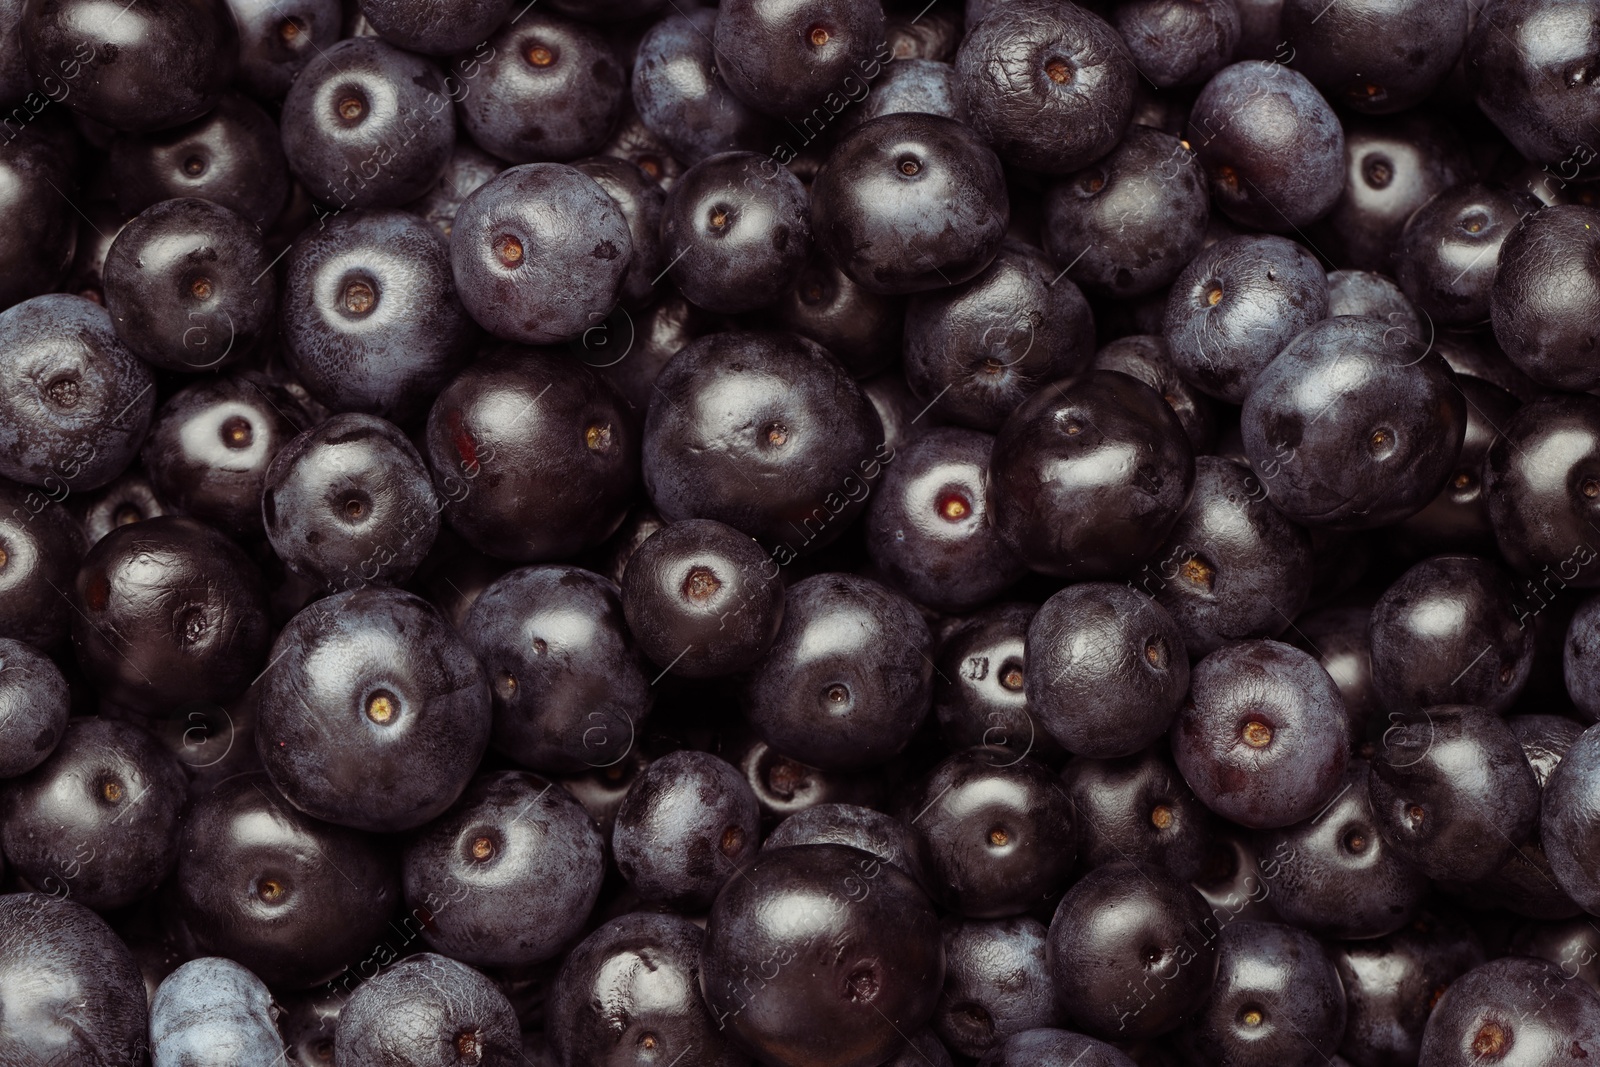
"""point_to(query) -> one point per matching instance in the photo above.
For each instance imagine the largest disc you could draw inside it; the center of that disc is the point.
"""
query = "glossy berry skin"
(1392, 167)
(371, 316)
(232, 156)
(75, 402)
(1579, 659)
(34, 703)
(1519, 62)
(633, 141)
(294, 899)
(995, 833)
(1376, 58)
(601, 789)
(1362, 292)
(188, 286)
(142, 69)
(1145, 357)
(860, 329)
(680, 94)
(1174, 43)
(1234, 308)
(374, 713)
(1138, 808)
(367, 125)
(925, 86)
(784, 786)
(1047, 1047)
(907, 203)
(1276, 1001)
(74, 993)
(1546, 295)
(630, 994)
(996, 983)
(1542, 482)
(209, 447)
(897, 408)
(1107, 669)
(687, 825)
(736, 231)
(1337, 636)
(1235, 879)
(1453, 792)
(1568, 942)
(39, 234)
(928, 525)
(43, 544)
(1271, 147)
(975, 351)
(1353, 426)
(438, 31)
(277, 40)
(641, 199)
(786, 59)
(1050, 88)
(1449, 251)
(1126, 225)
(1068, 494)
(211, 1006)
(1476, 355)
(469, 168)
(1116, 928)
(1567, 821)
(1336, 875)
(350, 504)
(1233, 566)
(702, 599)
(535, 455)
(544, 89)
(1392, 985)
(429, 1011)
(568, 683)
(979, 680)
(1526, 885)
(540, 253)
(630, 349)
(821, 955)
(1264, 737)
(98, 821)
(508, 875)
(849, 678)
(778, 409)
(1458, 519)
(1518, 1011)
(168, 611)
(866, 829)
(1449, 632)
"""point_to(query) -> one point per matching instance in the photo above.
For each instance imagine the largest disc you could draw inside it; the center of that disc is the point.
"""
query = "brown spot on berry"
(236, 432)
(1492, 1039)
